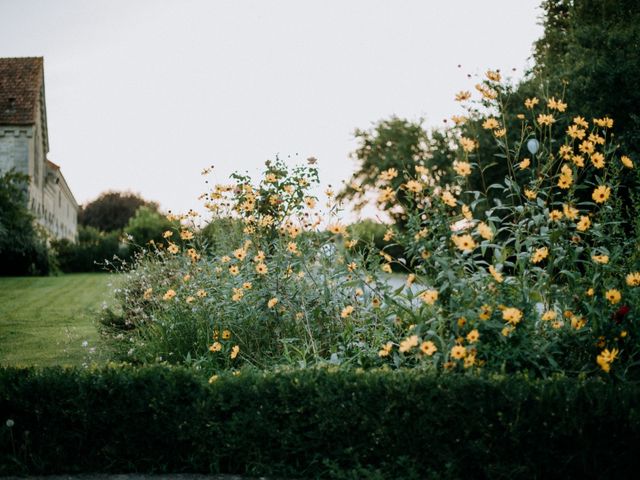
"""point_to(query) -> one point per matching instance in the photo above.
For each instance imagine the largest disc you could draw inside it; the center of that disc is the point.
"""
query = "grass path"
(45, 320)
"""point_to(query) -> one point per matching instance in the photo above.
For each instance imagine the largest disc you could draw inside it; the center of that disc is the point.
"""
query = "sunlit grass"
(45, 320)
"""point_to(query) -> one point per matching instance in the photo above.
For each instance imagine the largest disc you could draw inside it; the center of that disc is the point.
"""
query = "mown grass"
(45, 320)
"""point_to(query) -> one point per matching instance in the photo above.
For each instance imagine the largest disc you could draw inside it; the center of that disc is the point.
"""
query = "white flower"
(85, 344)
(10, 423)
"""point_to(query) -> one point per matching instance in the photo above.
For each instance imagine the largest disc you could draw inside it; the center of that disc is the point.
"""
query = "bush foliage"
(316, 423)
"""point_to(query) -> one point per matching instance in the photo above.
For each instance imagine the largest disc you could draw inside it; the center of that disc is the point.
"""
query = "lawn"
(45, 320)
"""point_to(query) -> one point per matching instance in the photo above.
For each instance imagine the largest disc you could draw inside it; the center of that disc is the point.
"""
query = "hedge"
(316, 423)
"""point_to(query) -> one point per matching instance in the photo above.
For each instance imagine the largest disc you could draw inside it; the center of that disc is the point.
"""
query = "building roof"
(21, 81)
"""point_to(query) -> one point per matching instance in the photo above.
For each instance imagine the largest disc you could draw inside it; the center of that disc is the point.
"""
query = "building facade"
(24, 145)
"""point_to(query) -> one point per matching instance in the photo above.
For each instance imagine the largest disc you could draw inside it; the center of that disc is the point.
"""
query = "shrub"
(316, 423)
(90, 253)
(23, 248)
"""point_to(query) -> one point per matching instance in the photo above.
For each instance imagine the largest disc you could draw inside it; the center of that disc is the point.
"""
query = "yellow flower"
(590, 292)
(216, 347)
(570, 212)
(584, 224)
(468, 145)
(581, 122)
(414, 186)
(555, 215)
(587, 147)
(458, 352)
(234, 352)
(607, 357)
(375, 302)
(605, 122)
(466, 213)
(167, 234)
(386, 268)
(487, 93)
(597, 159)
(530, 194)
(565, 152)
(186, 235)
(565, 181)
(201, 293)
(574, 132)
(529, 103)
(147, 294)
(540, 254)
(462, 168)
(473, 336)
(386, 195)
(545, 119)
(428, 348)
(173, 248)
(524, 164)
(261, 269)
(225, 259)
(388, 235)
(292, 247)
(603, 259)
(429, 296)
(485, 312)
(466, 243)
(633, 279)
(234, 270)
(386, 349)
(240, 254)
(462, 96)
(408, 343)
(501, 132)
(259, 258)
(613, 296)
(493, 75)
(626, 161)
(310, 202)
(470, 360)
(554, 104)
(495, 274)
(507, 330)
(388, 175)
(337, 229)
(485, 231)
(577, 322)
(490, 124)
(238, 293)
(549, 315)
(512, 315)
(189, 299)
(448, 198)
(270, 178)
(272, 303)
(169, 294)
(601, 194)
(410, 279)
(346, 311)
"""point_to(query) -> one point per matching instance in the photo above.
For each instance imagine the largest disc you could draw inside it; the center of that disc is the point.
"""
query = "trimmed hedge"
(316, 423)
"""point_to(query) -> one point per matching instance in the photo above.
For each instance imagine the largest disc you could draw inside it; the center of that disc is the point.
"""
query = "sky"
(143, 94)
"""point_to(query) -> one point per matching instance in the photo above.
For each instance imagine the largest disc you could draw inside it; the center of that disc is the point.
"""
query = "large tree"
(112, 211)
(22, 250)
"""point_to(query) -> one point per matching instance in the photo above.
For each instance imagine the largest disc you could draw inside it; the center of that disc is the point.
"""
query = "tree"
(23, 251)
(402, 145)
(111, 211)
(147, 224)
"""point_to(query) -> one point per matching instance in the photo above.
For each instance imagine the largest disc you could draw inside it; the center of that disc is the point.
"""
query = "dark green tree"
(111, 211)
(23, 251)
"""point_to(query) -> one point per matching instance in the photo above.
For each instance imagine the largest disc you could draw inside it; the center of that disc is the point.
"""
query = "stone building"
(24, 145)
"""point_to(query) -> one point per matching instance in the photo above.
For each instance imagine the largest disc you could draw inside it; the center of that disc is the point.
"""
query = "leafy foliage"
(23, 250)
(112, 211)
(292, 424)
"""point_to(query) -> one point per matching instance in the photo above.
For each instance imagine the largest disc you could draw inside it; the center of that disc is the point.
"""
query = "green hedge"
(316, 423)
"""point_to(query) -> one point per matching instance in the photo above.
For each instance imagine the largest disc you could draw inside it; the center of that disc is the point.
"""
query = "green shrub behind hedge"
(316, 423)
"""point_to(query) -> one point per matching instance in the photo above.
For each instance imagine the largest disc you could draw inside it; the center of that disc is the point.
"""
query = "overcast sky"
(142, 94)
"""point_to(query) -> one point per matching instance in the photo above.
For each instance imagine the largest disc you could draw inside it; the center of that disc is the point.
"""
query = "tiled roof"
(20, 83)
